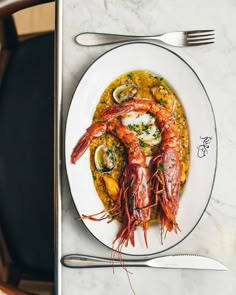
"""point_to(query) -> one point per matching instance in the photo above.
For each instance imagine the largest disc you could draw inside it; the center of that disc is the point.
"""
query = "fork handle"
(95, 39)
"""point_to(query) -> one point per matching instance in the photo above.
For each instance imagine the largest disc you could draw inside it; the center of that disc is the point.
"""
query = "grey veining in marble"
(215, 235)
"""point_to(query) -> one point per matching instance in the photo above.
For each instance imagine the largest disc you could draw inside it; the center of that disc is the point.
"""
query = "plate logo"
(204, 146)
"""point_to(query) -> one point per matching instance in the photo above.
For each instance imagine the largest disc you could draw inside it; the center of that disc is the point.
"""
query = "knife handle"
(85, 261)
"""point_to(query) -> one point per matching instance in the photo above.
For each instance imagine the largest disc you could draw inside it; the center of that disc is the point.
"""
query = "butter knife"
(171, 261)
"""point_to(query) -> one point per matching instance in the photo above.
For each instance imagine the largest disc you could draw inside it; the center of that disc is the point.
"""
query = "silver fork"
(185, 38)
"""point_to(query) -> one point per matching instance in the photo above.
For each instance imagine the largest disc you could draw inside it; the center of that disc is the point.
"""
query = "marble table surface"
(215, 235)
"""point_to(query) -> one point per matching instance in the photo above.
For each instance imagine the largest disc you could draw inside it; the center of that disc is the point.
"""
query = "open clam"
(124, 92)
(104, 158)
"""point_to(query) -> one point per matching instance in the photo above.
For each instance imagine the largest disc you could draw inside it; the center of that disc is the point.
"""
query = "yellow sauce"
(151, 87)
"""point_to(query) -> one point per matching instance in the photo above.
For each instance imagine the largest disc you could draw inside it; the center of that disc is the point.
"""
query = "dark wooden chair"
(10, 290)
(26, 146)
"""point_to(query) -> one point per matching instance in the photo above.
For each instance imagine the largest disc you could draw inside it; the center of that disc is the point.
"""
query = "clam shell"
(104, 158)
(124, 92)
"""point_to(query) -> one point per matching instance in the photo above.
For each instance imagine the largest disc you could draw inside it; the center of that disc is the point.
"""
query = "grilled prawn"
(165, 164)
(133, 203)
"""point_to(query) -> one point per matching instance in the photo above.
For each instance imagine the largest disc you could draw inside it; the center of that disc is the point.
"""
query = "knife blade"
(172, 261)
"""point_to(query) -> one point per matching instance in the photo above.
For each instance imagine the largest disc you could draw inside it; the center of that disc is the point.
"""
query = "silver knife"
(171, 261)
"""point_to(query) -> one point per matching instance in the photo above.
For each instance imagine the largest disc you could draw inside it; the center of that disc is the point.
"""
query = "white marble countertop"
(215, 235)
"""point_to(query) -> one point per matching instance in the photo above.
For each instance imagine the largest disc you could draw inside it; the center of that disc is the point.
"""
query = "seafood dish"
(139, 155)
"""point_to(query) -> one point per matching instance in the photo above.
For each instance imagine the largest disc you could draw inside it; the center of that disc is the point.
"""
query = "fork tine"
(199, 32)
(200, 37)
(200, 40)
(200, 43)
(194, 37)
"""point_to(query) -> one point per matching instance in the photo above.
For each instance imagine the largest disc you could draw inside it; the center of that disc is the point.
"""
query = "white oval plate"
(203, 140)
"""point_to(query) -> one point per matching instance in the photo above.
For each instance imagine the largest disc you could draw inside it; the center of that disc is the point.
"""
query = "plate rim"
(216, 144)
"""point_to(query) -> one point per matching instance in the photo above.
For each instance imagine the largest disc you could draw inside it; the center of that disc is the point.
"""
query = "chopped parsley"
(139, 128)
(163, 102)
(110, 155)
(161, 167)
(94, 176)
(142, 143)
(130, 75)
(157, 134)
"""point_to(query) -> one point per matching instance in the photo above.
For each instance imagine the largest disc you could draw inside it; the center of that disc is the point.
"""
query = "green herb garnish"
(163, 102)
(130, 75)
(142, 143)
(139, 128)
(161, 167)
